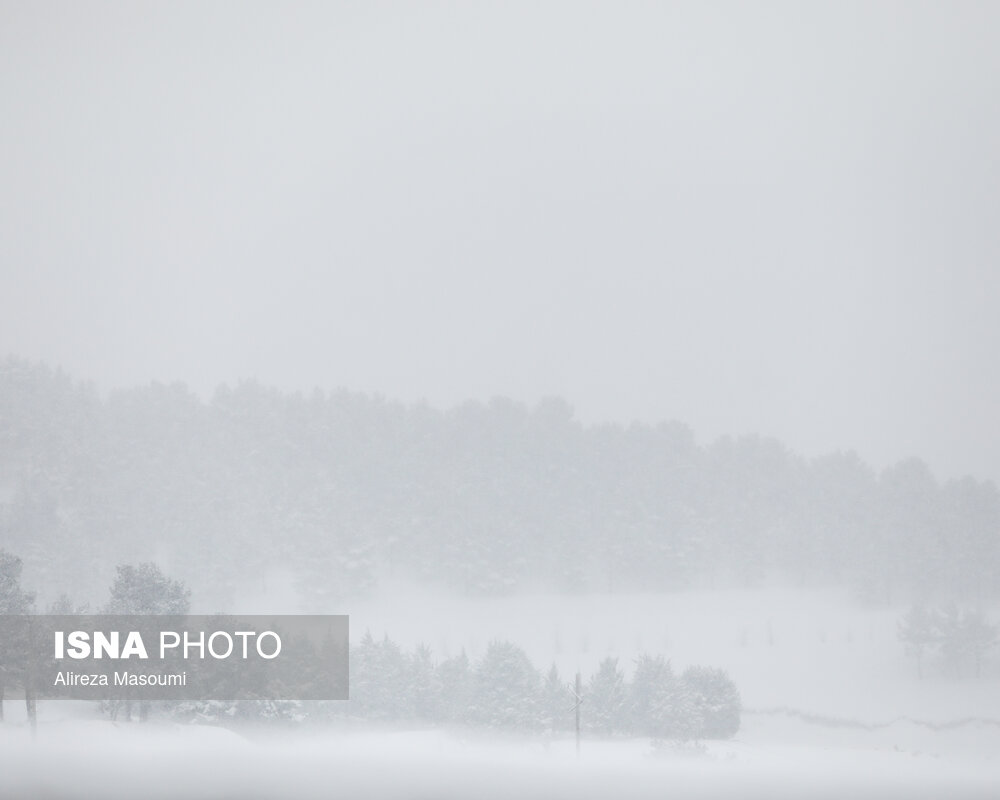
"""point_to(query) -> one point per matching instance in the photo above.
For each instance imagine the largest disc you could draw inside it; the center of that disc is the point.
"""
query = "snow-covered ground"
(816, 651)
(78, 757)
(833, 709)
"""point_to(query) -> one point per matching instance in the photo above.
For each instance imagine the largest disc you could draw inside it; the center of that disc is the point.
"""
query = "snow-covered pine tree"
(973, 639)
(919, 630)
(506, 689)
(13, 600)
(144, 589)
(454, 677)
(971, 516)
(64, 606)
(716, 701)
(659, 705)
(951, 639)
(379, 680)
(604, 704)
(558, 703)
(423, 685)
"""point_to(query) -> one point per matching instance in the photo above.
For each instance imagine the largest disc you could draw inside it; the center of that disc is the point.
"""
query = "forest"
(340, 490)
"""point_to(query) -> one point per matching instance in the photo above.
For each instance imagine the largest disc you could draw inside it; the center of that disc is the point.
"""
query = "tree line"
(501, 691)
(958, 640)
(136, 590)
(339, 490)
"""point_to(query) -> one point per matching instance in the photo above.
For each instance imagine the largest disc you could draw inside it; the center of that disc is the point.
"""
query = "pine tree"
(557, 703)
(13, 599)
(716, 701)
(424, 687)
(603, 709)
(975, 637)
(919, 631)
(454, 676)
(63, 606)
(506, 689)
(951, 639)
(15, 636)
(379, 680)
(144, 589)
(659, 705)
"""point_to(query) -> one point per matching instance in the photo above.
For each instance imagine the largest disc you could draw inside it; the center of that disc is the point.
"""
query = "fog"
(750, 217)
(626, 372)
(172, 763)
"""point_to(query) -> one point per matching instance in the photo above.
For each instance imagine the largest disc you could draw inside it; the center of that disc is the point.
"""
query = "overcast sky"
(771, 218)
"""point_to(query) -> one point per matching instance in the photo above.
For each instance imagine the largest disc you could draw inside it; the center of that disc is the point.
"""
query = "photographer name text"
(119, 679)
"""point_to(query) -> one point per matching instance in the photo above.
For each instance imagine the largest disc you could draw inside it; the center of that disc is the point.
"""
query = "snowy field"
(814, 651)
(833, 709)
(78, 756)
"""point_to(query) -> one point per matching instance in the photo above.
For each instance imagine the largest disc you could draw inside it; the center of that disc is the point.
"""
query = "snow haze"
(626, 372)
(756, 217)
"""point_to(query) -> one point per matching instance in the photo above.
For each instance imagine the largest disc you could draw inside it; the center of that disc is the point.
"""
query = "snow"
(75, 758)
(813, 650)
(833, 709)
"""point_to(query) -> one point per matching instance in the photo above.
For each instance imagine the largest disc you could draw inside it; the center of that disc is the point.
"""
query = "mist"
(753, 218)
(625, 372)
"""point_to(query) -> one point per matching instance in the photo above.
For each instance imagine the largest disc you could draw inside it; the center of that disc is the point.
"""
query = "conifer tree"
(605, 699)
(557, 702)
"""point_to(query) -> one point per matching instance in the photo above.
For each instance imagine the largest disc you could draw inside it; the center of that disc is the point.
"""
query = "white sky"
(753, 217)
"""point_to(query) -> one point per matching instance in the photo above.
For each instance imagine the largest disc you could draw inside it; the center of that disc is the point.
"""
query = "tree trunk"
(30, 705)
